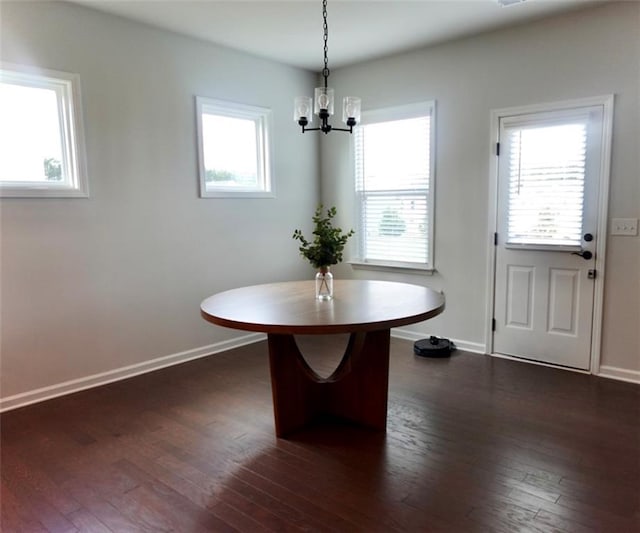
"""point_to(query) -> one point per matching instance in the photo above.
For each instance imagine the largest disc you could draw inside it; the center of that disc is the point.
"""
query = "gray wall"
(587, 53)
(92, 285)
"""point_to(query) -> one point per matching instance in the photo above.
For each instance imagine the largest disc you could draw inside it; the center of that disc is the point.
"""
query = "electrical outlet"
(624, 226)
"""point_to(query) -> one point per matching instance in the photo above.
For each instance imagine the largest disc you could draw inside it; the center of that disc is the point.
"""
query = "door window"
(546, 180)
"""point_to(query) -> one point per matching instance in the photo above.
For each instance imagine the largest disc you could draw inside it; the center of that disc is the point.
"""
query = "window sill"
(8, 191)
(391, 267)
(220, 193)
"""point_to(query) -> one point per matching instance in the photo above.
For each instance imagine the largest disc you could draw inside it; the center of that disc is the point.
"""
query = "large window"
(394, 163)
(234, 153)
(41, 139)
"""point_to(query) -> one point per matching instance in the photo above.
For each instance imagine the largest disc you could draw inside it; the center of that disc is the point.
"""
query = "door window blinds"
(546, 168)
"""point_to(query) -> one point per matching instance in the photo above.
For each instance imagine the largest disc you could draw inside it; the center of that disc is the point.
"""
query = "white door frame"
(603, 206)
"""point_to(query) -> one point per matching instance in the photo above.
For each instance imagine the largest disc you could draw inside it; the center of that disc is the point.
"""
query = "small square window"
(41, 134)
(233, 149)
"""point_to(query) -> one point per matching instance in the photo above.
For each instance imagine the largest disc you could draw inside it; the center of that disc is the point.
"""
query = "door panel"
(548, 178)
(563, 301)
(520, 296)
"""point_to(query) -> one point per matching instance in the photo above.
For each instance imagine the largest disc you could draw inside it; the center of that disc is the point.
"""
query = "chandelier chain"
(325, 26)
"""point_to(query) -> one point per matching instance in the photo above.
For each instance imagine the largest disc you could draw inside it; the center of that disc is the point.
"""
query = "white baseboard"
(95, 380)
(609, 372)
(621, 374)
(75, 385)
(410, 335)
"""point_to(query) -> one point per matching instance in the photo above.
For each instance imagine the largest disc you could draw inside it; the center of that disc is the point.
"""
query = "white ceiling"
(291, 31)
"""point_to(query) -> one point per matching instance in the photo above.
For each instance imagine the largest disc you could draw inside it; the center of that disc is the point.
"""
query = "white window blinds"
(393, 164)
(546, 168)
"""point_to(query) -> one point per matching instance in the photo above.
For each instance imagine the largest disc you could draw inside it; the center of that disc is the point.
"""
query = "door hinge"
(497, 149)
(495, 239)
(592, 273)
(493, 324)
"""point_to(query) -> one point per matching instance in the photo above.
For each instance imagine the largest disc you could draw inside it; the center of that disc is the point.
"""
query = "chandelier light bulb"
(324, 100)
(351, 110)
(302, 109)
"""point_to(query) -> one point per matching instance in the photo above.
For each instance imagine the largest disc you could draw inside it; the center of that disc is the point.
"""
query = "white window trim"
(407, 111)
(67, 88)
(263, 118)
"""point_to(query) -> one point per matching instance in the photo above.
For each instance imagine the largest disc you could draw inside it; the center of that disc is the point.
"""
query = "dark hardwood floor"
(473, 444)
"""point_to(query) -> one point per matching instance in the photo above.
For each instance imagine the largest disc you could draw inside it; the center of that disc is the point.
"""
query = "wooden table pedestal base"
(356, 391)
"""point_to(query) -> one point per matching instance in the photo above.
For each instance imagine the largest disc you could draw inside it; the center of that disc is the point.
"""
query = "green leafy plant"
(328, 242)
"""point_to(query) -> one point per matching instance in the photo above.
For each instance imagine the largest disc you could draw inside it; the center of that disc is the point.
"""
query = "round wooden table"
(367, 310)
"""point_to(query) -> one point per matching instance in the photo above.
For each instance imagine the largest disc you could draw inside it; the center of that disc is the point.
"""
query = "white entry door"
(549, 170)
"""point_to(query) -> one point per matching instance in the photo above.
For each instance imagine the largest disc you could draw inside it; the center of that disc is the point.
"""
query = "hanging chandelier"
(324, 98)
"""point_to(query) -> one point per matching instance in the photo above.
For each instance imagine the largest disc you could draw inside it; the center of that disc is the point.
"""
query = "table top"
(291, 307)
